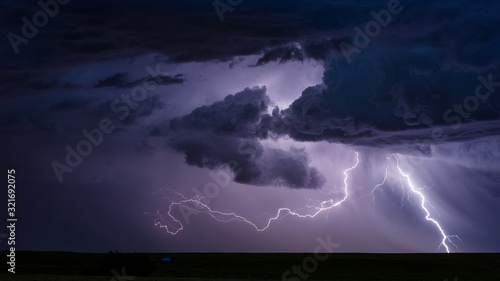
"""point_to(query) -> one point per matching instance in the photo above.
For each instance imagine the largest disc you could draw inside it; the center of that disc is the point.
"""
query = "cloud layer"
(224, 135)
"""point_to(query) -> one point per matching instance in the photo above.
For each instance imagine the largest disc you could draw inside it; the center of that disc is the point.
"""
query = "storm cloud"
(122, 80)
(269, 95)
(224, 135)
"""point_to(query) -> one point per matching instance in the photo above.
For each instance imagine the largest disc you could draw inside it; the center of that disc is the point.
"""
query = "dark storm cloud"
(322, 49)
(314, 117)
(70, 115)
(224, 134)
(290, 168)
(249, 161)
(118, 80)
(122, 80)
(423, 62)
(68, 105)
(164, 79)
(140, 109)
(236, 115)
(403, 86)
(103, 31)
(281, 55)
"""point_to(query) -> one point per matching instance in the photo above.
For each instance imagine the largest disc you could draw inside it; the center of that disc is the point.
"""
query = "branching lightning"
(379, 184)
(308, 211)
(174, 225)
(423, 202)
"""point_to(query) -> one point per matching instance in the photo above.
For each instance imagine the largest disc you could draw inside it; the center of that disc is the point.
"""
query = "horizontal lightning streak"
(229, 217)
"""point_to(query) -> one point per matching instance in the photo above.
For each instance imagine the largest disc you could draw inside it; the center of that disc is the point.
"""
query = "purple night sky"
(159, 127)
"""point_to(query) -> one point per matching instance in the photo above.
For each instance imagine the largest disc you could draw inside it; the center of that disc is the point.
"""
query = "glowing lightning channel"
(229, 217)
(428, 215)
(380, 184)
(308, 211)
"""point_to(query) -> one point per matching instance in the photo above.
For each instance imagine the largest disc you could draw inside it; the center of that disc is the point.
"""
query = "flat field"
(41, 266)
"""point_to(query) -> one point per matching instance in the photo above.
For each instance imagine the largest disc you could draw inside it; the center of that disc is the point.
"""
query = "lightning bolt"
(196, 205)
(423, 201)
(308, 211)
(379, 185)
